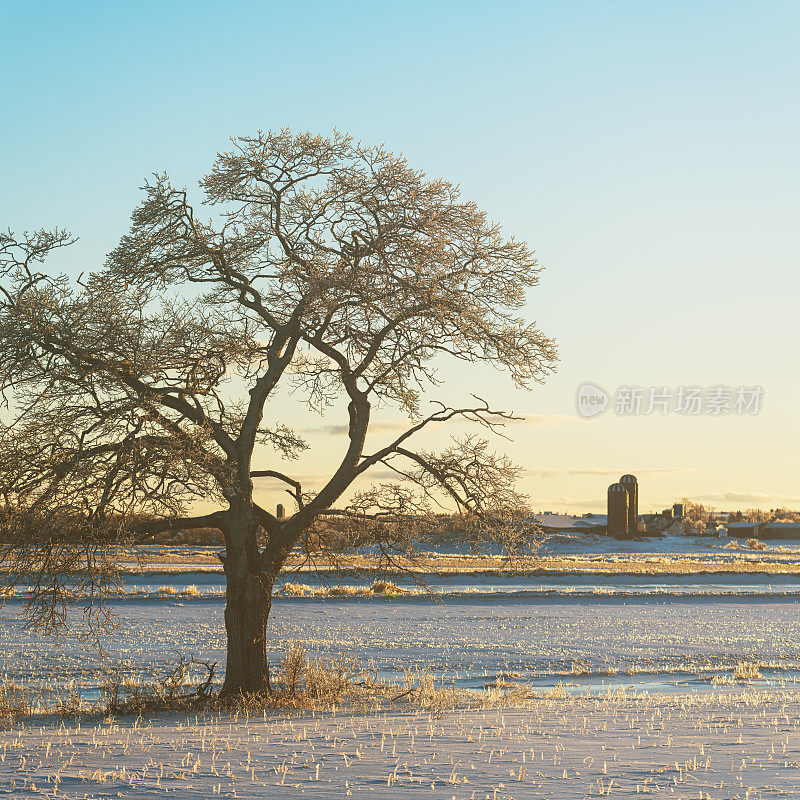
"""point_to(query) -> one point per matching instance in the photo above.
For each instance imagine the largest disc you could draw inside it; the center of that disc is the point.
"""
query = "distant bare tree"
(696, 516)
(331, 268)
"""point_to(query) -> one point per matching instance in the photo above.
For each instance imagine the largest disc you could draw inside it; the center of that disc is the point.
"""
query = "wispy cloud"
(375, 427)
(396, 426)
(547, 472)
(314, 480)
(303, 477)
(757, 498)
(381, 475)
(573, 503)
(542, 420)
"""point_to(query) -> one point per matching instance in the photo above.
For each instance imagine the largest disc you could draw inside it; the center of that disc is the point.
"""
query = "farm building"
(764, 530)
(781, 530)
(745, 530)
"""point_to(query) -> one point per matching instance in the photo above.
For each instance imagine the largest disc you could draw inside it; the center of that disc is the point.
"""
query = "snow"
(627, 643)
(567, 521)
(734, 744)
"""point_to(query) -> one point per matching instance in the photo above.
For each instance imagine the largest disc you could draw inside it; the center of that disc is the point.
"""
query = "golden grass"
(771, 562)
(640, 564)
(14, 703)
(382, 588)
(746, 671)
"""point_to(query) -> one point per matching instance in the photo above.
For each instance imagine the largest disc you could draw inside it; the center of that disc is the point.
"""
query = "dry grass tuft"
(294, 666)
(385, 587)
(14, 703)
(747, 671)
(436, 698)
(743, 672)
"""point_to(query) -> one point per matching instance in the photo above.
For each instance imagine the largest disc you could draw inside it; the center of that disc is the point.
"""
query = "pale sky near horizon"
(648, 152)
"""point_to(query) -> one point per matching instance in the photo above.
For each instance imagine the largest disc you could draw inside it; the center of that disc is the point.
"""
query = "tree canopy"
(326, 266)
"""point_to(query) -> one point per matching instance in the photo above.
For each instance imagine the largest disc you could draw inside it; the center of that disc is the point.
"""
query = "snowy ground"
(732, 745)
(672, 621)
(653, 630)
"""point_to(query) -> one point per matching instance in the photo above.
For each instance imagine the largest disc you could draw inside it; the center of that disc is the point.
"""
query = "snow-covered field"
(635, 647)
(667, 614)
(730, 745)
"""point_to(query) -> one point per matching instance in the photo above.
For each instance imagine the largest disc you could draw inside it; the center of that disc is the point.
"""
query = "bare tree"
(329, 267)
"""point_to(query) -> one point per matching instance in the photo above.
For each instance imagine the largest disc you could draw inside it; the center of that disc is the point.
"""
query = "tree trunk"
(248, 600)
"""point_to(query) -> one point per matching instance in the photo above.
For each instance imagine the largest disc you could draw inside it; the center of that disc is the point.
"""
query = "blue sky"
(646, 150)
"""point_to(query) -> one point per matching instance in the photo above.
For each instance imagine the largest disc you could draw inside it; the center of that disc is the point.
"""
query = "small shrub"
(331, 681)
(385, 587)
(293, 668)
(70, 705)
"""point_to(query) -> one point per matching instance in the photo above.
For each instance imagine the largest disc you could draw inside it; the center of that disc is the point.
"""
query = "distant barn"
(764, 530)
(745, 530)
(782, 530)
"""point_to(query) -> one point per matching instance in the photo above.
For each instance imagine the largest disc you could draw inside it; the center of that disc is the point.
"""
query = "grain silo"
(632, 487)
(617, 510)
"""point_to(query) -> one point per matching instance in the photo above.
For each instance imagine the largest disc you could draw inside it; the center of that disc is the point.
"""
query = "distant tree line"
(697, 516)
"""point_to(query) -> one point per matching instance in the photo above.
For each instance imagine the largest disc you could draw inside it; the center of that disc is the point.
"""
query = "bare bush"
(331, 681)
(172, 693)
